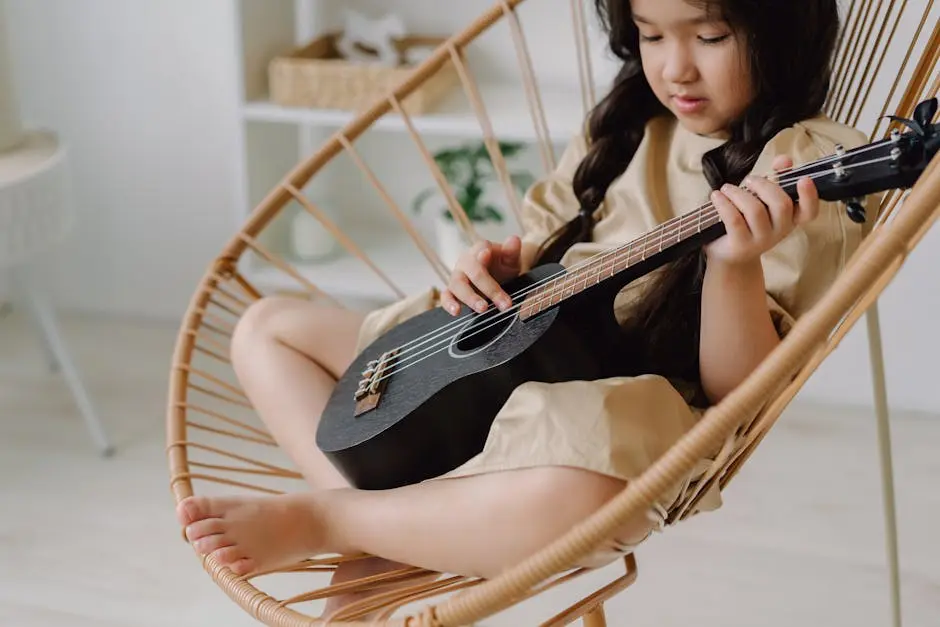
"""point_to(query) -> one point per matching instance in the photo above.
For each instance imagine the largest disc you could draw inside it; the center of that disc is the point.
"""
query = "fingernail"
(481, 305)
(725, 187)
(454, 309)
(503, 303)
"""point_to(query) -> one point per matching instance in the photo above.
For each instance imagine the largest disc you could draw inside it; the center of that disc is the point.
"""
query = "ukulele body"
(437, 405)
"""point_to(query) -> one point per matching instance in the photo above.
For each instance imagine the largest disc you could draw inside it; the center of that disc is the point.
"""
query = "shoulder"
(827, 132)
(810, 139)
(575, 151)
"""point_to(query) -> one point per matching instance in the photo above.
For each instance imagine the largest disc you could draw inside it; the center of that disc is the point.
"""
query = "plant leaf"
(510, 149)
(490, 212)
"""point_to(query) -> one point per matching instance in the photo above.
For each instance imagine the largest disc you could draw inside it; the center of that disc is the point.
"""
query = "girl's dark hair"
(790, 45)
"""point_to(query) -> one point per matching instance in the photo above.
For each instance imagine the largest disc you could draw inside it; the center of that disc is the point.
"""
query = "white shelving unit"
(274, 138)
(453, 117)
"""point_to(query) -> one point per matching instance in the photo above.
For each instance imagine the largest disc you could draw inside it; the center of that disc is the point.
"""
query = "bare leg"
(288, 354)
(474, 526)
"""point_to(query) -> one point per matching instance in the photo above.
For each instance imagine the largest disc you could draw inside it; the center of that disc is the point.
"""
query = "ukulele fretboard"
(608, 264)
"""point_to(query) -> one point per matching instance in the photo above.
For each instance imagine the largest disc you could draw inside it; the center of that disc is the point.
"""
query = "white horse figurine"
(371, 40)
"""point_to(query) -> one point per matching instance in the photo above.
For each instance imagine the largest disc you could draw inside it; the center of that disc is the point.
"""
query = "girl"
(709, 93)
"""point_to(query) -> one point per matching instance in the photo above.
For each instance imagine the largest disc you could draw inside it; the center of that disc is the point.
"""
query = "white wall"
(145, 94)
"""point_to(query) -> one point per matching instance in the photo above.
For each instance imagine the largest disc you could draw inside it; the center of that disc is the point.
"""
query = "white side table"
(35, 215)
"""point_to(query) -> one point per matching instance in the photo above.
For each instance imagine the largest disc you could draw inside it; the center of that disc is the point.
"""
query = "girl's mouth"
(688, 104)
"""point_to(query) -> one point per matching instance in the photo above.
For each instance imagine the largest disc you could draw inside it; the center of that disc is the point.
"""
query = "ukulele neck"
(642, 254)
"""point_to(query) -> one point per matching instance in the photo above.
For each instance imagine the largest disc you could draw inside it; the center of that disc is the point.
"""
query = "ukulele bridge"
(373, 382)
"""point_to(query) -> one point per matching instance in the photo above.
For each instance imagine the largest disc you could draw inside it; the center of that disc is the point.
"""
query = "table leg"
(43, 316)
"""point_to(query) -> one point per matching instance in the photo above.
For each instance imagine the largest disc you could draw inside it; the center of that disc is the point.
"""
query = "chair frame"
(729, 426)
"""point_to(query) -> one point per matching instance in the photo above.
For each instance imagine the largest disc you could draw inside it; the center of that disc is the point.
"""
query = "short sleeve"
(550, 203)
(802, 267)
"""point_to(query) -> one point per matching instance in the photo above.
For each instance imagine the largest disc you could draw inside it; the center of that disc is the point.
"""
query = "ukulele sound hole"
(482, 331)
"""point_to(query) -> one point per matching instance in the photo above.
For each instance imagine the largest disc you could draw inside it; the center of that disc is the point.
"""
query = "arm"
(737, 332)
(736, 329)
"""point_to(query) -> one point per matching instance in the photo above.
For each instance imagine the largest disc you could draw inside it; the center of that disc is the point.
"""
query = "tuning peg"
(856, 210)
(925, 111)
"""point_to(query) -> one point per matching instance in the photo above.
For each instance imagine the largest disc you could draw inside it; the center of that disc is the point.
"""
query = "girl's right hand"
(484, 266)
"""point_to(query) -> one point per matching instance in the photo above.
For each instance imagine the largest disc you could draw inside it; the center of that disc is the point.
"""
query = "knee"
(573, 495)
(257, 324)
(581, 491)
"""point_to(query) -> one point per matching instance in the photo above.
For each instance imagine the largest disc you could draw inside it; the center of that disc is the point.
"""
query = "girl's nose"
(679, 66)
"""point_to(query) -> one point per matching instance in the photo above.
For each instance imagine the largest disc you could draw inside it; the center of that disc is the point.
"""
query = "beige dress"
(620, 426)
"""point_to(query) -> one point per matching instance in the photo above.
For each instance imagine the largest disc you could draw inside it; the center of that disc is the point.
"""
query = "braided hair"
(790, 46)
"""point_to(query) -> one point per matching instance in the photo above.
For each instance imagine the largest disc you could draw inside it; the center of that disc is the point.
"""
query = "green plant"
(468, 168)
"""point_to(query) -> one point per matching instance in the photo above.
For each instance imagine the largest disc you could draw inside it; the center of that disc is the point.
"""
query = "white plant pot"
(452, 243)
(310, 240)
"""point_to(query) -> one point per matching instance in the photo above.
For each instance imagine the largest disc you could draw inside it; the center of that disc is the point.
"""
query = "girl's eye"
(650, 38)
(713, 40)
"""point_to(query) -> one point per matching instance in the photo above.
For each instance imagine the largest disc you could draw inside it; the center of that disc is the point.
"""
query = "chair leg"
(43, 317)
(887, 475)
(595, 618)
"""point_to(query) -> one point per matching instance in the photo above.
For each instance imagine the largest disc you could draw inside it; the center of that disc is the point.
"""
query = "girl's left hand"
(758, 218)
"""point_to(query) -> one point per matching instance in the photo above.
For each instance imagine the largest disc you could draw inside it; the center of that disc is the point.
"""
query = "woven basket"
(317, 76)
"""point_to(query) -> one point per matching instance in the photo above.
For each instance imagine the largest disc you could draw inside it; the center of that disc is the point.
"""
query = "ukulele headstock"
(894, 162)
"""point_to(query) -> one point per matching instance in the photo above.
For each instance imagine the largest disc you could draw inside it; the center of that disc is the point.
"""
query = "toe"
(193, 509)
(228, 555)
(212, 543)
(203, 528)
(243, 566)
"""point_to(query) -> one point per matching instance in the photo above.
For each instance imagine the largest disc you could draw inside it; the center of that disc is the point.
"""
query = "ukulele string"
(598, 257)
(499, 318)
(666, 227)
(703, 215)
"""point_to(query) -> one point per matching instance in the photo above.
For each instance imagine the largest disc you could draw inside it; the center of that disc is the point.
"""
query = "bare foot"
(254, 534)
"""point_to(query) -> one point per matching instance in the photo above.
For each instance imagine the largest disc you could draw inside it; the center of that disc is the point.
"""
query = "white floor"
(86, 541)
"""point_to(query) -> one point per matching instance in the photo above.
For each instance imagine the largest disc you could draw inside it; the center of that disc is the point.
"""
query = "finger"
(778, 203)
(808, 207)
(460, 286)
(511, 250)
(782, 162)
(449, 302)
(735, 224)
(753, 210)
(483, 281)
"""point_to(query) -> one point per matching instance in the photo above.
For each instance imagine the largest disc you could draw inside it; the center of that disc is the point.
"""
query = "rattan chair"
(888, 62)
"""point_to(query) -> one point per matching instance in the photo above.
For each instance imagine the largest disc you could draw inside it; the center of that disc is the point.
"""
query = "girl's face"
(695, 64)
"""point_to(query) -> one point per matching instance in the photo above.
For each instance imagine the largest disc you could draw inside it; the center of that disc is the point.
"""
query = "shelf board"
(343, 275)
(506, 105)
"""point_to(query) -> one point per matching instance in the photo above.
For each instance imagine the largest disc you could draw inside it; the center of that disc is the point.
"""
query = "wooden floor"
(86, 541)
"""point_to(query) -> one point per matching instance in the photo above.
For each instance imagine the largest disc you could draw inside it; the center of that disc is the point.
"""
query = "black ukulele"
(420, 400)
